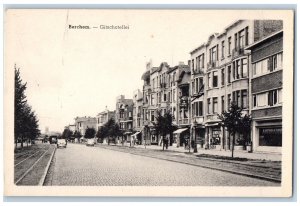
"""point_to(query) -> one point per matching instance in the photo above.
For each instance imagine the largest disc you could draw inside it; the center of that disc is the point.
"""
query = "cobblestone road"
(81, 165)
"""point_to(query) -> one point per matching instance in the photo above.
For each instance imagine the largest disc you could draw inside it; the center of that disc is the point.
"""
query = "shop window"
(270, 136)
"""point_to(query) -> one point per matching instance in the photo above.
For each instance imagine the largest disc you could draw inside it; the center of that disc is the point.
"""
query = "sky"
(78, 72)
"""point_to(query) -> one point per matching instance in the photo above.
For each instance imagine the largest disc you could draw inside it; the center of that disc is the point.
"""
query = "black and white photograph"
(148, 102)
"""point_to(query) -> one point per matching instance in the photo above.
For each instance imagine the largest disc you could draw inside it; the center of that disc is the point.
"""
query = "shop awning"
(179, 131)
(136, 133)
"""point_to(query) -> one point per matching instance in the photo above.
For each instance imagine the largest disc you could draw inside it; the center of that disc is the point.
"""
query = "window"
(222, 103)
(129, 114)
(222, 76)
(213, 54)
(238, 67)
(272, 97)
(229, 45)
(244, 72)
(229, 74)
(202, 61)
(208, 106)
(215, 79)
(165, 97)
(270, 136)
(174, 95)
(233, 70)
(198, 109)
(215, 105)
(192, 68)
(152, 116)
(209, 80)
(260, 100)
(199, 84)
(279, 95)
(152, 99)
(223, 49)
(242, 39)
(244, 99)
(267, 65)
(238, 98)
(228, 100)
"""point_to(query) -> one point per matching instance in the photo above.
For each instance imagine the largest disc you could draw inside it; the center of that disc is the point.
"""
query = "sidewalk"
(257, 168)
(227, 153)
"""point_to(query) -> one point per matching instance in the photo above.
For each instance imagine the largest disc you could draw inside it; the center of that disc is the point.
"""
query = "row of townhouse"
(243, 64)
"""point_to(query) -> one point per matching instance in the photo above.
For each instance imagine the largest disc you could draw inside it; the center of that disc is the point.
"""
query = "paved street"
(82, 165)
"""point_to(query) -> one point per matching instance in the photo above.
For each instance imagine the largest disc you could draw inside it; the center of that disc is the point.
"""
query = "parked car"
(53, 139)
(90, 142)
(62, 143)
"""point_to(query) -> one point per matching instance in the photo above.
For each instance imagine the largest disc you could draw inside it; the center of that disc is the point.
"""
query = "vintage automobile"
(53, 139)
(62, 143)
(90, 142)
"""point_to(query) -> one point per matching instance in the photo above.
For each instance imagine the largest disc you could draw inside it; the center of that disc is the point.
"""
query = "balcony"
(237, 52)
(163, 85)
(184, 121)
(199, 71)
(211, 65)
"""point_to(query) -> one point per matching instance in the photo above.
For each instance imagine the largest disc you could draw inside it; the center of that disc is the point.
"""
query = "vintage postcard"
(129, 102)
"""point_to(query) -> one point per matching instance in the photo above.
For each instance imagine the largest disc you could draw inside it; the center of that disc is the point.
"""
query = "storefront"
(181, 136)
(214, 136)
(267, 136)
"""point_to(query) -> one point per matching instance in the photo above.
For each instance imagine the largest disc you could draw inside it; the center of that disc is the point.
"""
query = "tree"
(67, 134)
(102, 133)
(110, 130)
(78, 135)
(26, 122)
(164, 126)
(235, 122)
(89, 133)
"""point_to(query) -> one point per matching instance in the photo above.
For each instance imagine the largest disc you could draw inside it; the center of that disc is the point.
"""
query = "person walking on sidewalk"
(165, 142)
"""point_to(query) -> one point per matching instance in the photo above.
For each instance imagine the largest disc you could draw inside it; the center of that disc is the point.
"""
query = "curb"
(43, 178)
(207, 167)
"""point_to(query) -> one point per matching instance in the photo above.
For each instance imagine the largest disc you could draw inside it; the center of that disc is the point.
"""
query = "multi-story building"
(181, 99)
(266, 92)
(124, 109)
(82, 123)
(161, 94)
(220, 75)
(104, 116)
(71, 127)
(137, 115)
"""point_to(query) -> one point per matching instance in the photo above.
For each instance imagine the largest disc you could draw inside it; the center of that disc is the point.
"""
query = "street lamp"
(195, 143)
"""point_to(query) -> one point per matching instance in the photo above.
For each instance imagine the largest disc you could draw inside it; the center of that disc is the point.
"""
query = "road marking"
(31, 168)
(25, 159)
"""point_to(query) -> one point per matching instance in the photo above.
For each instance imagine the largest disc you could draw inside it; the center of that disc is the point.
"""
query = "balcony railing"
(211, 64)
(236, 52)
(184, 121)
(163, 85)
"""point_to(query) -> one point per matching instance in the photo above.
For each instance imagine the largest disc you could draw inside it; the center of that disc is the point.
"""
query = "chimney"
(181, 63)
